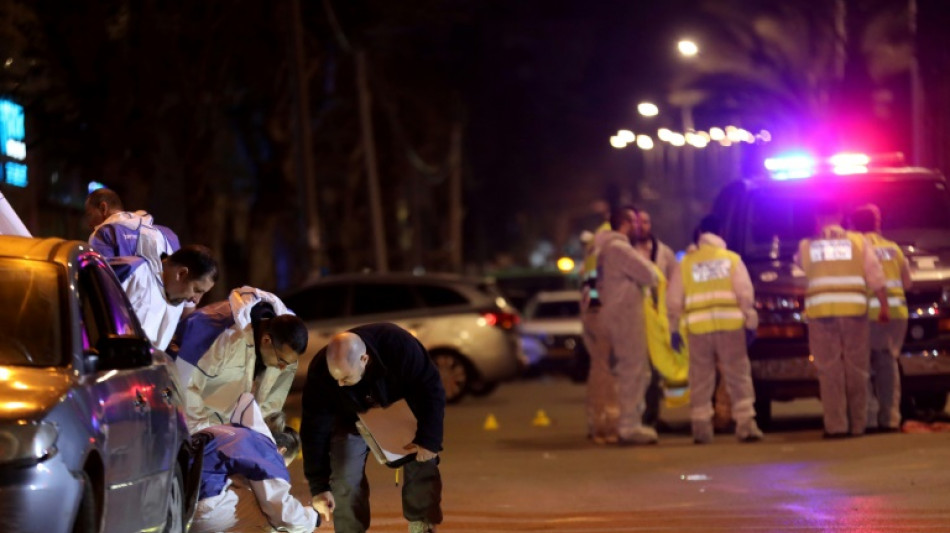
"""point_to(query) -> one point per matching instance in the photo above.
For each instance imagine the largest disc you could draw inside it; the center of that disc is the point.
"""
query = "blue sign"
(12, 143)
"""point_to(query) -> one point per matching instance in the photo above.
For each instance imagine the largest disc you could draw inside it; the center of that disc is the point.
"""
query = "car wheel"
(455, 374)
(175, 514)
(86, 515)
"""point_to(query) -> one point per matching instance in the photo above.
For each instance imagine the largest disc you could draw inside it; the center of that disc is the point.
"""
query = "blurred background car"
(552, 334)
(468, 328)
(92, 434)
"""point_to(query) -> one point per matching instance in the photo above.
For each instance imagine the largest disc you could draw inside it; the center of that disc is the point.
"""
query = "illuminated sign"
(12, 143)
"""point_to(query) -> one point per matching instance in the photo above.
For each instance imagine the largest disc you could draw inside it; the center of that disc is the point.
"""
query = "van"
(763, 220)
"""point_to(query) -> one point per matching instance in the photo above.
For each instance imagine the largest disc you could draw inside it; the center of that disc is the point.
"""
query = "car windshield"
(913, 212)
(31, 323)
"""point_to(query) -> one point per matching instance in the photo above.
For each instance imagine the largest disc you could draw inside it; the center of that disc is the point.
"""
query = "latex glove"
(749, 337)
(422, 454)
(324, 505)
(676, 340)
(885, 315)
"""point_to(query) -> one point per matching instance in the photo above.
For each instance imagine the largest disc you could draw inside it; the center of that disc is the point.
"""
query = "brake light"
(501, 319)
(780, 331)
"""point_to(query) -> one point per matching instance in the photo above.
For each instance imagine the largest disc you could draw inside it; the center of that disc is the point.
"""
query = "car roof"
(37, 249)
(557, 296)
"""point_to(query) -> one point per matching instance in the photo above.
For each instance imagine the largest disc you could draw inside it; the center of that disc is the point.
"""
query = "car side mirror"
(119, 352)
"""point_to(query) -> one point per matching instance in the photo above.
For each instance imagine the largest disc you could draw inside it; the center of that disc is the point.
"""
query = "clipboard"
(387, 431)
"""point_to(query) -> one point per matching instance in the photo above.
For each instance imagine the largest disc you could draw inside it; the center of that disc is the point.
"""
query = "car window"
(436, 296)
(778, 218)
(322, 302)
(105, 308)
(373, 298)
(567, 309)
(31, 321)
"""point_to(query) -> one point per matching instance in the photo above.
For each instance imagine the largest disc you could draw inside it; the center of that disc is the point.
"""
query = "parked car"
(553, 331)
(764, 219)
(464, 323)
(92, 432)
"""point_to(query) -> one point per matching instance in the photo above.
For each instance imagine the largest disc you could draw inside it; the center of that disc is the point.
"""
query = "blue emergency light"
(801, 165)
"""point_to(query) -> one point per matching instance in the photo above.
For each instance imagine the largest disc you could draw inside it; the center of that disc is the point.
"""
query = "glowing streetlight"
(687, 48)
(717, 134)
(664, 134)
(626, 136)
(648, 109)
(644, 142)
(617, 142)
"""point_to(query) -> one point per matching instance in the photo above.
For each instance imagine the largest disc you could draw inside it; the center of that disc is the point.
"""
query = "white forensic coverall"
(216, 375)
(623, 275)
(232, 452)
(134, 233)
(146, 293)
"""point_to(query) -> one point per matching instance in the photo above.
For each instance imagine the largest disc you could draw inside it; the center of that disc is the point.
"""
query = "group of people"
(854, 304)
(235, 361)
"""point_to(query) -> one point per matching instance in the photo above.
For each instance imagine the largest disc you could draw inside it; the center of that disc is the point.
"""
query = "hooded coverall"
(215, 351)
(841, 268)
(887, 339)
(146, 293)
(623, 274)
(713, 289)
(133, 233)
(602, 408)
(244, 454)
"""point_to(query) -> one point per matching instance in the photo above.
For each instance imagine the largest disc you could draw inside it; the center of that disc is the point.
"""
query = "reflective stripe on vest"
(892, 258)
(709, 296)
(835, 271)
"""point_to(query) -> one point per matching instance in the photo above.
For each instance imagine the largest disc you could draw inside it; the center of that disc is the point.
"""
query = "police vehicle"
(765, 218)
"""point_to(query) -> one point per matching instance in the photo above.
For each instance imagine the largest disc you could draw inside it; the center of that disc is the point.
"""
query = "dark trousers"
(421, 490)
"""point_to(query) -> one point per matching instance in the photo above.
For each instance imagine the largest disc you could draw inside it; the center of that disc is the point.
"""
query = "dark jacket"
(399, 368)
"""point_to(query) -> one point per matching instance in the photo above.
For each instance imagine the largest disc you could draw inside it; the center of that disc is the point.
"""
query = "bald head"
(346, 358)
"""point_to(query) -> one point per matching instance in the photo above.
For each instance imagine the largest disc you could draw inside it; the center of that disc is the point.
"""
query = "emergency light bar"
(801, 166)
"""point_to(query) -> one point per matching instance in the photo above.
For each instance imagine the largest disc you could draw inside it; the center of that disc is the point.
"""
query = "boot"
(748, 431)
(639, 435)
(702, 431)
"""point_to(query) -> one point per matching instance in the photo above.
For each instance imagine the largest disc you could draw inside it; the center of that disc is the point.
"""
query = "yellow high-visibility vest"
(711, 303)
(892, 258)
(835, 271)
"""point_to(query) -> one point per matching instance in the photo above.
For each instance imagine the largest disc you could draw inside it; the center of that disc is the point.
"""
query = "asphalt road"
(522, 477)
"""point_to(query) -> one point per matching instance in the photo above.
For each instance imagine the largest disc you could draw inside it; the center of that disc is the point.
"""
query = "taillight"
(501, 319)
(780, 331)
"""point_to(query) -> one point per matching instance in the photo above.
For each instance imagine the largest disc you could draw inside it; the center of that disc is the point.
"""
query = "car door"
(121, 401)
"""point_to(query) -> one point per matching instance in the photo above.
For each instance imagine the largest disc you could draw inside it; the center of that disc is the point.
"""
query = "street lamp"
(648, 109)
(687, 48)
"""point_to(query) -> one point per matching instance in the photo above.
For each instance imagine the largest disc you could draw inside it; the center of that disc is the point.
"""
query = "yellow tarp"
(673, 366)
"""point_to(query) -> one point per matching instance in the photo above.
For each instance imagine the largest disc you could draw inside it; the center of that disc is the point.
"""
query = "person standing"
(714, 294)
(663, 257)
(159, 297)
(841, 268)
(886, 338)
(623, 276)
(247, 343)
(602, 408)
(117, 232)
(251, 452)
(370, 366)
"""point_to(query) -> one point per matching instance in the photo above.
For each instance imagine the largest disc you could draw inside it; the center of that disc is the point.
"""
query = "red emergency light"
(802, 165)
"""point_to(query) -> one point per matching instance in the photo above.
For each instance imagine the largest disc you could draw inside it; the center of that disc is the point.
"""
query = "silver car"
(92, 436)
(464, 323)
